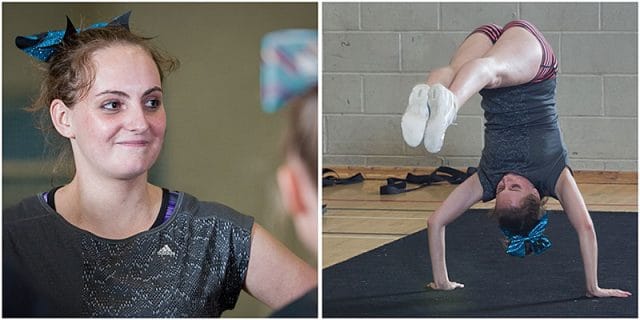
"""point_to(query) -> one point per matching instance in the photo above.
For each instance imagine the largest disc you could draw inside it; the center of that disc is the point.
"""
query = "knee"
(488, 69)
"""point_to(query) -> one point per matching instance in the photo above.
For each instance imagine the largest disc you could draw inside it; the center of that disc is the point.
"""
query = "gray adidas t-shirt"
(522, 136)
(193, 265)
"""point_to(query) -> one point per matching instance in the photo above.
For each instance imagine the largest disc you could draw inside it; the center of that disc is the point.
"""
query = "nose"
(136, 120)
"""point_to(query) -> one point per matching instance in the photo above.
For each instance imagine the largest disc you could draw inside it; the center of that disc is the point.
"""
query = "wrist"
(441, 282)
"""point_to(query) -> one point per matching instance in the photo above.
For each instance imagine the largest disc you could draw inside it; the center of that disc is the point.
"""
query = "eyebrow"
(124, 94)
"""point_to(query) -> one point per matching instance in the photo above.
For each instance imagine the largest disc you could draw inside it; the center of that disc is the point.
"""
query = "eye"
(112, 105)
(153, 103)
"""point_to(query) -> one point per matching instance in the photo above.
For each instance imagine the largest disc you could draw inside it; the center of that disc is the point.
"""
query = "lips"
(133, 143)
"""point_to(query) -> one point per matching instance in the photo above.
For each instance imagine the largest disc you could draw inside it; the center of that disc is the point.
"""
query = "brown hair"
(520, 220)
(301, 138)
(69, 75)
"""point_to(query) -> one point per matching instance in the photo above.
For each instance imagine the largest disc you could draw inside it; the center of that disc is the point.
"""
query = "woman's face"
(119, 126)
(512, 189)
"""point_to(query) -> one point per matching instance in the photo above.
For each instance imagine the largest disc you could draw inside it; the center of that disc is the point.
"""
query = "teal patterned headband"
(289, 66)
(43, 46)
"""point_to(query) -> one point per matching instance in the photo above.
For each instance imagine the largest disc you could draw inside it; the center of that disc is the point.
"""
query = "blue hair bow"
(43, 45)
(289, 66)
(539, 242)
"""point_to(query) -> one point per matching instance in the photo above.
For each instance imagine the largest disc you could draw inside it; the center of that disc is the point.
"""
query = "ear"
(300, 201)
(61, 118)
(535, 193)
(290, 191)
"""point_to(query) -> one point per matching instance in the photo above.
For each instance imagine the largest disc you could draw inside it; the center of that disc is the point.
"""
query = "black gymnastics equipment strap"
(448, 174)
(330, 178)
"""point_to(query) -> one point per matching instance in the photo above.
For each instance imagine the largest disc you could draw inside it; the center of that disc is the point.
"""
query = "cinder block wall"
(375, 52)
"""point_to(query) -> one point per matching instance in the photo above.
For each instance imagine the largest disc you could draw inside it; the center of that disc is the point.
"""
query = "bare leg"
(514, 59)
(478, 63)
(415, 118)
(442, 102)
(474, 47)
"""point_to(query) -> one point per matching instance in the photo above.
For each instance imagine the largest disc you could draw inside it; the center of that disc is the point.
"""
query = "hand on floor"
(602, 293)
(450, 285)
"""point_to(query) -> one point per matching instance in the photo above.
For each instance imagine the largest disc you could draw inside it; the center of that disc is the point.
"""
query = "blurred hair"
(301, 137)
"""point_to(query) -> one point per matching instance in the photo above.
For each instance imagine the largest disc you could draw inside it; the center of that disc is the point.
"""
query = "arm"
(462, 198)
(576, 210)
(276, 276)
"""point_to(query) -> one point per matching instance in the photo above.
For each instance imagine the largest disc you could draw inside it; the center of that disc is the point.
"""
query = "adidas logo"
(166, 251)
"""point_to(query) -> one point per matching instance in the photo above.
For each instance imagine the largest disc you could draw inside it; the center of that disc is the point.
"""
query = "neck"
(114, 209)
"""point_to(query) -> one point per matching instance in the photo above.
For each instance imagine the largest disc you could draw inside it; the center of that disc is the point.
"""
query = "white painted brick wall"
(375, 52)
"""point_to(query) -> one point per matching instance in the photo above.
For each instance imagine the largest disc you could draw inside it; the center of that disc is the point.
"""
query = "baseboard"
(582, 176)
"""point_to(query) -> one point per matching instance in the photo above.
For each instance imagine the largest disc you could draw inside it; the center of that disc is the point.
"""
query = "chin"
(134, 167)
(131, 172)
(129, 175)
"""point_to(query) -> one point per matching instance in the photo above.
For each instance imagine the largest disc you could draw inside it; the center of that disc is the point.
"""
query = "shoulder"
(565, 178)
(28, 209)
(488, 182)
(28, 224)
(210, 210)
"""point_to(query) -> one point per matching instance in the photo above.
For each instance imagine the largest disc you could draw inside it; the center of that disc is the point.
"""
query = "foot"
(415, 117)
(443, 113)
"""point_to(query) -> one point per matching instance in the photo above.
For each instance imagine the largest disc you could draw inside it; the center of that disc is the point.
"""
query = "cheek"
(499, 201)
(158, 124)
(92, 127)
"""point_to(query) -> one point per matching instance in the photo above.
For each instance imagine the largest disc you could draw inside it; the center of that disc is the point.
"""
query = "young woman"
(524, 158)
(109, 243)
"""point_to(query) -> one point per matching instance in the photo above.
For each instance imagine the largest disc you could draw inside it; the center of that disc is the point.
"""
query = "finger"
(620, 293)
(615, 293)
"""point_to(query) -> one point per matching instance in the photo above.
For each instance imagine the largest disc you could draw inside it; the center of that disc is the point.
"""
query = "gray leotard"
(522, 136)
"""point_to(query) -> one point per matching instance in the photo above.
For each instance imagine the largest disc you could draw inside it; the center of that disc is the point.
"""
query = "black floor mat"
(389, 281)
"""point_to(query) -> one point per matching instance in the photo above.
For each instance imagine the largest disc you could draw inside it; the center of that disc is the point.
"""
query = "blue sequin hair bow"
(538, 241)
(43, 46)
(289, 66)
